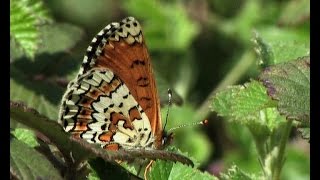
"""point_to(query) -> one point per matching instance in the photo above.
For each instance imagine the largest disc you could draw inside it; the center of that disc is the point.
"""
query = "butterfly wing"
(121, 48)
(99, 107)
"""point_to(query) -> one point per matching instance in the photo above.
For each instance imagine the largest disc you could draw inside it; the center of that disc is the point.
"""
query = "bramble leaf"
(27, 163)
(25, 17)
(242, 102)
(280, 46)
(235, 173)
(289, 83)
(170, 170)
(26, 136)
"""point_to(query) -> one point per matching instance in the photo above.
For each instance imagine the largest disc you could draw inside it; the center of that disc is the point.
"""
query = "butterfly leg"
(148, 168)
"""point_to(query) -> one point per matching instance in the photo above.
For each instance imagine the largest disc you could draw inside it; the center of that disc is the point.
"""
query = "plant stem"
(261, 150)
(282, 146)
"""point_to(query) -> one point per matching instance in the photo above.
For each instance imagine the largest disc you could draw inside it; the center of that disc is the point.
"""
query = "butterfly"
(113, 101)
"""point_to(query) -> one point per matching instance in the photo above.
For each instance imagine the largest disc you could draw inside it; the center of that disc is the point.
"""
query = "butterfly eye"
(166, 139)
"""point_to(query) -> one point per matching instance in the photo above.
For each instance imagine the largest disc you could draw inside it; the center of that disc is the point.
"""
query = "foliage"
(25, 17)
(268, 108)
(199, 49)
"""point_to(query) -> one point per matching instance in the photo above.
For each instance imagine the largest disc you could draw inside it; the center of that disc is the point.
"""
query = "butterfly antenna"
(203, 122)
(169, 104)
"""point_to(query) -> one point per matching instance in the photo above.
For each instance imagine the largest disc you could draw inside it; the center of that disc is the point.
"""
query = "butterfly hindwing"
(99, 107)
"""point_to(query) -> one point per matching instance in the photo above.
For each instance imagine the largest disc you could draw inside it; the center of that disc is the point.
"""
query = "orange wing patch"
(106, 136)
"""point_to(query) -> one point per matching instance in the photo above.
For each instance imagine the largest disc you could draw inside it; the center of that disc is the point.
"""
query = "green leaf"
(263, 49)
(237, 174)
(23, 29)
(289, 83)
(25, 17)
(167, 26)
(161, 170)
(275, 34)
(26, 136)
(58, 37)
(37, 9)
(277, 45)
(45, 94)
(222, 101)
(251, 106)
(295, 12)
(27, 163)
(140, 165)
(250, 100)
(15, 50)
(242, 103)
(133, 168)
(21, 89)
(305, 133)
(169, 170)
(286, 51)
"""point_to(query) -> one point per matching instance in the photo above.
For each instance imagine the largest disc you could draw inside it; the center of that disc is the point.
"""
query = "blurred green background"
(197, 47)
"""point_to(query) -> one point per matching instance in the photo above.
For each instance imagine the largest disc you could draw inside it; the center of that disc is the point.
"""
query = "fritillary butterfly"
(113, 100)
